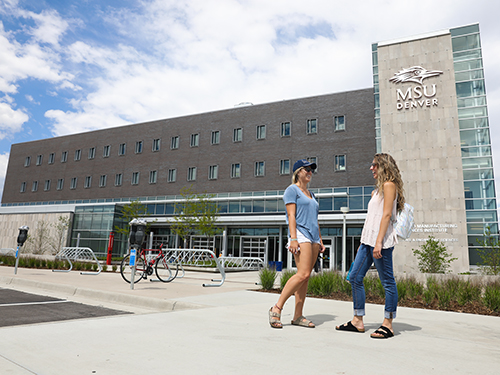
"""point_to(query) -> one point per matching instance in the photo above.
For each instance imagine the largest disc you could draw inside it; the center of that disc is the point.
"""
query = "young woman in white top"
(304, 242)
(377, 244)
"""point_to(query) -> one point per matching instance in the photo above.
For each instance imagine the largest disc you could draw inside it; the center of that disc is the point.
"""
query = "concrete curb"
(99, 295)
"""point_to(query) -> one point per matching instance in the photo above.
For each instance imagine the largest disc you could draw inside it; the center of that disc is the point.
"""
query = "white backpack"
(405, 223)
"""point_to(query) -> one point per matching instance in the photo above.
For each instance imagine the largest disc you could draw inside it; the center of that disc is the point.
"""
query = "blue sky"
(73, 66)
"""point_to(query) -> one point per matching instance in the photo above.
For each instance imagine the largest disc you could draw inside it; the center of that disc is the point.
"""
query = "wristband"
(293, 239)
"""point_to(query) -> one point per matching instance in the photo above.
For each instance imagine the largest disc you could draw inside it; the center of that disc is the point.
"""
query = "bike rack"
(198, 258)
(78, 253)
(241, 263)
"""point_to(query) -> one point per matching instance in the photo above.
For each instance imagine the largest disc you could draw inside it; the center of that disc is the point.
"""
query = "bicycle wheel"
(126, 270)
(166, 270)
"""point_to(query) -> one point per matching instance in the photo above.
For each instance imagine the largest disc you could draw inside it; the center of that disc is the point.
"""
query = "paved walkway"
(184, 328)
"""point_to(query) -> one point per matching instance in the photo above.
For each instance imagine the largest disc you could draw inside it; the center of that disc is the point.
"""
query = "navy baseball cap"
(303, 163)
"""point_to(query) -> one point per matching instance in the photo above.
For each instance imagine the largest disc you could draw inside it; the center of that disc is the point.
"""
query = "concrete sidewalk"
(187, 329)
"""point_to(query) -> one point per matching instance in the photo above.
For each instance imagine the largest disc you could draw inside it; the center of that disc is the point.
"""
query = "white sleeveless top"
(372, 223)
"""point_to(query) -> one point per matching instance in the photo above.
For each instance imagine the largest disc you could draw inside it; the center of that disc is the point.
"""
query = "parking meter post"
(21, 239)
(137, 234)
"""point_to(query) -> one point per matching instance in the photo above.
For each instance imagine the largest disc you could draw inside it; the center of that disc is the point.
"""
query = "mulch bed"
(470, 308)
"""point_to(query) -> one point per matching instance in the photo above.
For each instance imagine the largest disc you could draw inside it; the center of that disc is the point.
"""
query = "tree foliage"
(133, 210)
(489, 254)
(195, 213)
(433, 257)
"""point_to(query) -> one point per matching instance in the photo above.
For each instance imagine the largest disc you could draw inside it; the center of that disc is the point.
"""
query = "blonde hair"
(387, 170)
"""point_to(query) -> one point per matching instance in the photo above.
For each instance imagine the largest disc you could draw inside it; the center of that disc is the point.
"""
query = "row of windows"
(213, 174)
(194, 141)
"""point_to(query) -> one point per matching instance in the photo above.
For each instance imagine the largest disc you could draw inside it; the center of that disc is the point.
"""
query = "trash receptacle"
(279, 266)
(272, 264)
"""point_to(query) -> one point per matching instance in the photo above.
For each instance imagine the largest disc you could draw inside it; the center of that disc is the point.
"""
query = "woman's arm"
(292, 226)
(389, 196)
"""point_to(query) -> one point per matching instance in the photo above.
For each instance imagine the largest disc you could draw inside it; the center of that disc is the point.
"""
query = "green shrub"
(285, 276)
(115, 267)
(444, 296)
(491, 298)
(374, 286)
(402, 290)
(321, 284)
(467, 292)
(267, 278)
(433, 257)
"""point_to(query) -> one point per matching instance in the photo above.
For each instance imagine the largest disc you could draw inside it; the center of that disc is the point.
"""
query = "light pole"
(344, 210)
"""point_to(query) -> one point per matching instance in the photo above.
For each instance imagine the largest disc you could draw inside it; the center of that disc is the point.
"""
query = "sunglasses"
(308, 169)
(373, 165)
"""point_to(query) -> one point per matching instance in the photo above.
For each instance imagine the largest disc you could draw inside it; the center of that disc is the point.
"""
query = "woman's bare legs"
(297, 284)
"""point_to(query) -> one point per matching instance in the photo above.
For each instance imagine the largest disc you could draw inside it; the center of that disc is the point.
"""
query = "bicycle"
(164, 268)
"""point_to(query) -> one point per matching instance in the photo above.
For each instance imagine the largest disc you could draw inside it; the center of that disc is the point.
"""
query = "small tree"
(196, 213)
(489, 254)
(59, 237)
(433, 257)
(37, 241)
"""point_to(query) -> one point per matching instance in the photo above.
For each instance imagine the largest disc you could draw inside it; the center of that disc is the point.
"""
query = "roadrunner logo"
(414, 74)
(418, 96)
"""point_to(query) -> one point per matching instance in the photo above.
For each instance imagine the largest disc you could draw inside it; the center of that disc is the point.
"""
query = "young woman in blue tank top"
(304, 242)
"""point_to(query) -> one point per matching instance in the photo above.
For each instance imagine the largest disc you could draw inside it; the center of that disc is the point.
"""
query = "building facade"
(427, 108)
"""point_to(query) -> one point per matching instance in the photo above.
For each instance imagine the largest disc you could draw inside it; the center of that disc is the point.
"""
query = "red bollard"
(110, 247)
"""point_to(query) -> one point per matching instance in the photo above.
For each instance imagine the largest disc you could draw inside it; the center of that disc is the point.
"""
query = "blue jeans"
(362, 263)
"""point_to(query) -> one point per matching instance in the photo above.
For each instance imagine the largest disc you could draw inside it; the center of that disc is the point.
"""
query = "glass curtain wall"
(477, 161)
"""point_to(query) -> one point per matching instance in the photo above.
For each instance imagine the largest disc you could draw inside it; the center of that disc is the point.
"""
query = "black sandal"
(384, 332)
(349, 327)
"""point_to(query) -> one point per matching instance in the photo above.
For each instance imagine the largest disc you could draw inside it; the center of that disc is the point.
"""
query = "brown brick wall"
(357, 142)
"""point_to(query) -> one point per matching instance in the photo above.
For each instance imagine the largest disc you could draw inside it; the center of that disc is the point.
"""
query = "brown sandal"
(275, 318)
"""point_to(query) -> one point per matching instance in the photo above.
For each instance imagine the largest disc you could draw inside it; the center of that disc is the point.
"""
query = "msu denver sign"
(416, 96)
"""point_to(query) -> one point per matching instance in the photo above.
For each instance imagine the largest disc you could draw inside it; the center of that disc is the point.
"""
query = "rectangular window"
(339, 122)
(23, 187)
(236, 170)
(172, 175)
(156, 144)
(102, 180)
(213, 172)
(46, 187)
(135, 178)
(195, 138)
(78, 155)
(237, 135)
(215, 140)
(60, 184)
(339, 163)
(261, 132)
(52, 158)
(122, 149)
(92, 153)
(34, 187)
(64, 157)
(260, 168)
(39, 159)
(88, 182)
(106, 151)
(138, 147)
(27, 161)
(174, 143)
(286, 129)
(152, 177)
(191, 174)
(285, 166)
(73, 183)
(118, 179)
(312, 126)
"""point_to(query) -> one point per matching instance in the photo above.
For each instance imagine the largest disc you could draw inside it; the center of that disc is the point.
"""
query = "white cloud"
(11, 120)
